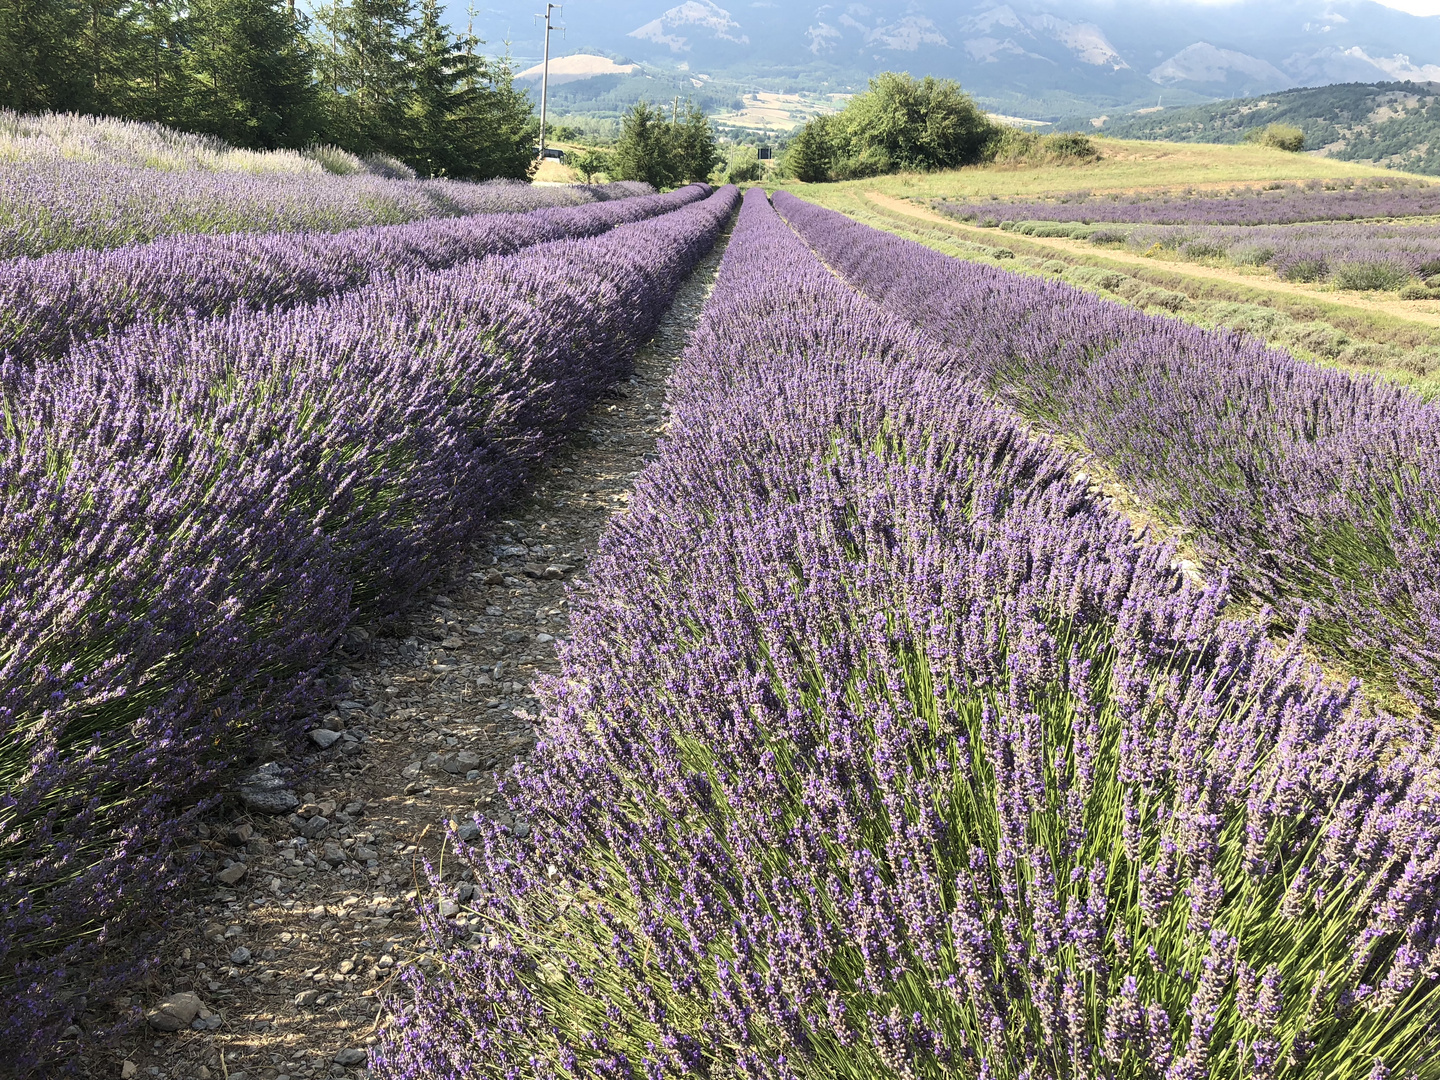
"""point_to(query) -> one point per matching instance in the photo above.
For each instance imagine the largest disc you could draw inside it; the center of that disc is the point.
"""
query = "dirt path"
(290, 956)
(1426, 312)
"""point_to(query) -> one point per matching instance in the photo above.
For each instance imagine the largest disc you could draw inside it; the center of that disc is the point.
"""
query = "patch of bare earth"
(301, 921)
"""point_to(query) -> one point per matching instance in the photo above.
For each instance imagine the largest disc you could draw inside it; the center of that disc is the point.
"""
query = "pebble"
(324, 737)
(267, 791)
(350, 1057)
(175, 1012)
(231, 874)
(240, 956)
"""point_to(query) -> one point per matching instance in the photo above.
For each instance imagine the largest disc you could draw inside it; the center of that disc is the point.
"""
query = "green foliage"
(590, 162)
(247, 74)
(812, 151)
(1012, 146)
(744, 167)
(1396, 124)
(643, 150)
(1278, 136)
(664, 153)
(38, 68)
(694, 149)
(1361, 276)
(369, 77)
(924, 124)
(898, 123)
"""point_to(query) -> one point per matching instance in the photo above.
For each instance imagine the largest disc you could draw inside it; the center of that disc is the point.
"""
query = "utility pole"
(545, 73)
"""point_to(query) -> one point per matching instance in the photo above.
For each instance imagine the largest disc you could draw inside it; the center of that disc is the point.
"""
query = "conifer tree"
(645, 150)
(436, 140)
(248, 74)
(38, 61)
(158, 77)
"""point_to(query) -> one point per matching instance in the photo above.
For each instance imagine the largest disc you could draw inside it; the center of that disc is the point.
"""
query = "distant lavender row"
(1352, 255)
(49, 302)
(190, 515)
(882, 751)
(1321, 488)
(1315, 201)
(60, 205)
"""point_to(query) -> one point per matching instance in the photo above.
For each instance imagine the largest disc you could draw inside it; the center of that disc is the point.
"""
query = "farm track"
(1424, 312)
(292, 960)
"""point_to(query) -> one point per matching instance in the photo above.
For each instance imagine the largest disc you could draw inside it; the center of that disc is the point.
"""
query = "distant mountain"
(1037, 58)
(1390, 123)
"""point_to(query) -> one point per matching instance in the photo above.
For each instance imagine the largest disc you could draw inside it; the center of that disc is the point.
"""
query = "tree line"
(903, 123)
(369, 76)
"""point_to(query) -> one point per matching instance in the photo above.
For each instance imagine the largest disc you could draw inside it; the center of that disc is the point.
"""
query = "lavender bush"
(52, 136)
(49, 302)
(60, 205)
(882, 750)
(1349, 255)
(1272, 205)
(190, 514)
(1320, 488)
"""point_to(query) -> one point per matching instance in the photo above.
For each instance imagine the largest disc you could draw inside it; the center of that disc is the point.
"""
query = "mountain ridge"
(1032, 58)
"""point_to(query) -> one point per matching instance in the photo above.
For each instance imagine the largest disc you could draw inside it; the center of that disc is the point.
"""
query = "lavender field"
(1360, 236)
(195, 509)
(883, 744)
(62, 205)
(885, 749)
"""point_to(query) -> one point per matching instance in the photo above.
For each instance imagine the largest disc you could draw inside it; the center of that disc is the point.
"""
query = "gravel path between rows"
(304, 919)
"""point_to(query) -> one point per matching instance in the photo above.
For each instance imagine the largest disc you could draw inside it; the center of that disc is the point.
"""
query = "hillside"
(1396, 124)
(1036, 59)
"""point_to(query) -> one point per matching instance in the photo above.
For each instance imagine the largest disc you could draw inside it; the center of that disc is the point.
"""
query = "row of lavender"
(1320, 488)
(1271, 205)
(47, 304)
(884, 751)
(190, 514)
(61, 205)
(1352, 256)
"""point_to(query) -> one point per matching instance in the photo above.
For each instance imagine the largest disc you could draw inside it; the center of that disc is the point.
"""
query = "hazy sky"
(1414, 7)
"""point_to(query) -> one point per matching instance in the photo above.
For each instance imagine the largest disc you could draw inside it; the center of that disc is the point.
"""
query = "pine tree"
(158, 79)
(104, 48)
(249, 74)
(812, 151)
(696, 153)
(38, 58)
(435, 143)
(503, 126)
(645, 149)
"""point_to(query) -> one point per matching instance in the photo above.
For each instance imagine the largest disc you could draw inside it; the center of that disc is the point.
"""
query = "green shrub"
(1256, 255)
(1417, 291)
(1320, 338)
(1278, 136)
(1305, 270)
(1361, 276)
(744, 167)
(1203, 249)
(1095, 278)
(898, 123)
(1161, 298)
